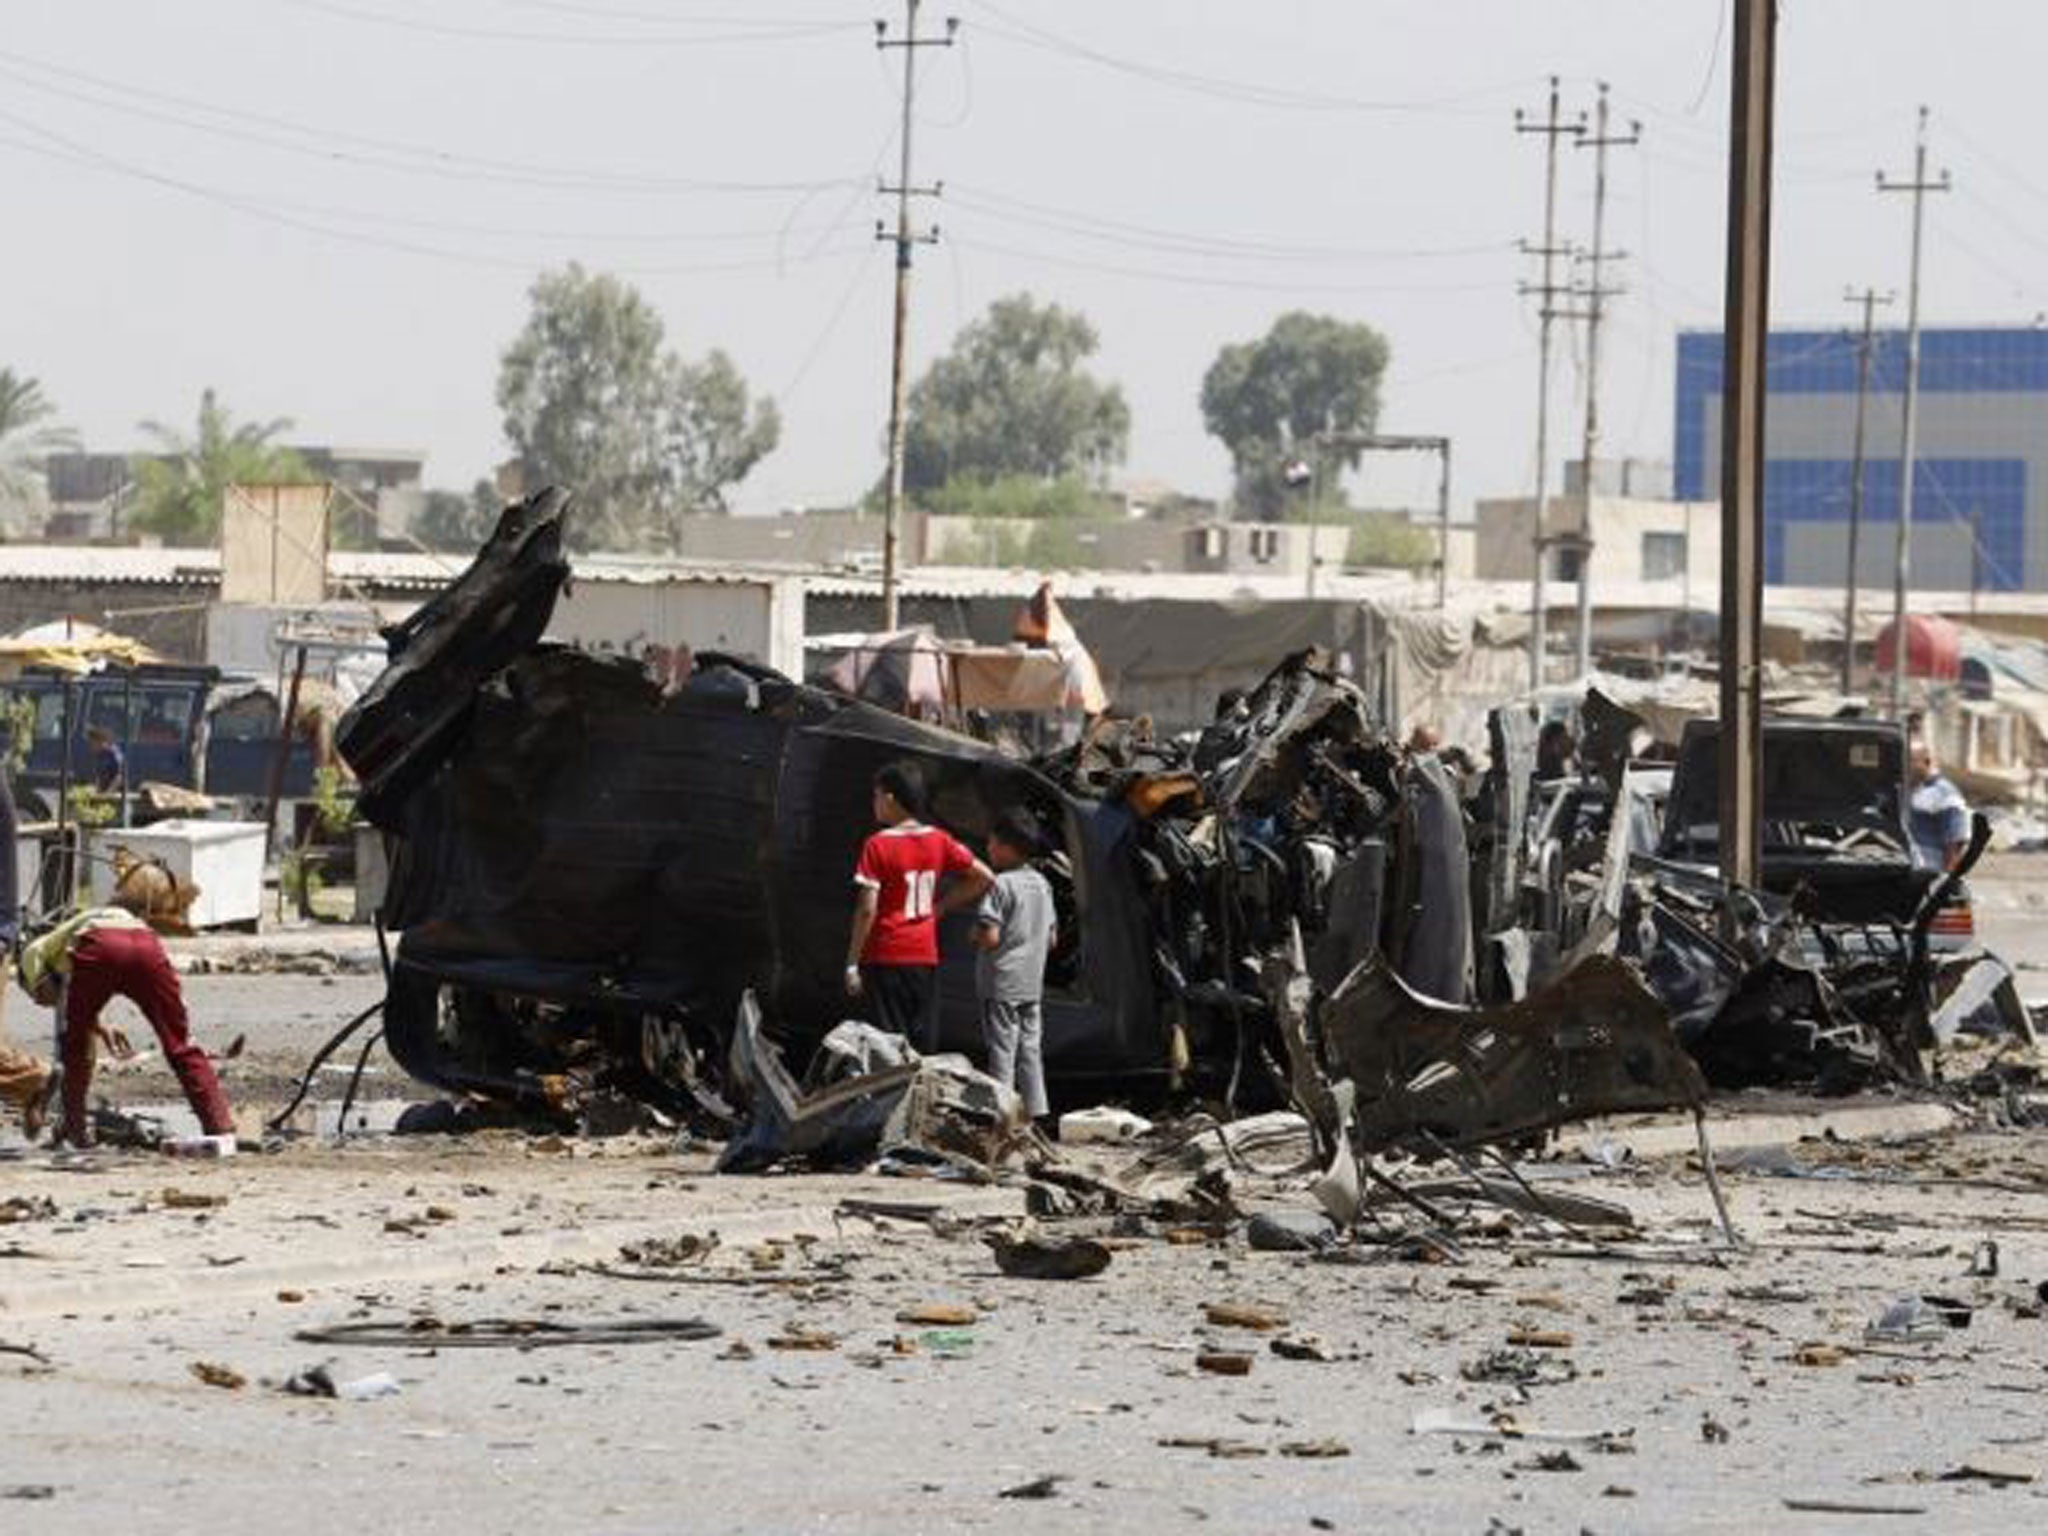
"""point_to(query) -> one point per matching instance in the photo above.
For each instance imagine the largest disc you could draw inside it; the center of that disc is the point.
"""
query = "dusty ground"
(123, 1289)
(1719, 1385)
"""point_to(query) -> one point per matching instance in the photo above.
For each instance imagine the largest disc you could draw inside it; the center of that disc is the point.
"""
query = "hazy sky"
(331, 209)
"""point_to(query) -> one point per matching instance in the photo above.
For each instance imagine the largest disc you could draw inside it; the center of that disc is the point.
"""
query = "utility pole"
(1919, 186)
(1595, 294)
(1869, 299)
(905, 237)
(1546, 294)
(1746, 329)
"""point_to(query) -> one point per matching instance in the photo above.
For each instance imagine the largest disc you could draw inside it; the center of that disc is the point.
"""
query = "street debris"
(1999, 1471)
(1850, 1507)
(1038, 1488)
(1232, 1314)
(1504, 1426)
(508, 1333)
(1033, 1256)
(1912, 1319)
(1304, 1346)
(1224, 1362)
(939, 1314)
(867, 1095)
(227, 1378)
(319, 1381)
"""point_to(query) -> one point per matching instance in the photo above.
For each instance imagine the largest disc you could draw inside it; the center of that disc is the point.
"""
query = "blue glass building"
(1980, 480)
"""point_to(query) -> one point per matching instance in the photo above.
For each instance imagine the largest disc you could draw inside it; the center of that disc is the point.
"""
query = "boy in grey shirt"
(1013, 929)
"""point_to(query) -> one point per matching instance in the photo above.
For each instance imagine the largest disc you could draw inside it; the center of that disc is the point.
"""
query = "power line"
(1121, 232)
(69, 151)
(1217, 87)
(1200, 280)
(746, 30)
(386, 154)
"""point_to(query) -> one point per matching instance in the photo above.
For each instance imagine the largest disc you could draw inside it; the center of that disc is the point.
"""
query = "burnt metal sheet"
(1596, 1042)
(1504, 795)
(491, 613)
(1431, 940)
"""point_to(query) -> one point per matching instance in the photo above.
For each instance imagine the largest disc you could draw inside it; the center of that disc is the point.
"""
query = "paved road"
(1079, 1381)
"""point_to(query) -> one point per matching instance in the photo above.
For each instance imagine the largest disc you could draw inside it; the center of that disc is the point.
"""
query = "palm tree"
(180, 489)
(26, 435)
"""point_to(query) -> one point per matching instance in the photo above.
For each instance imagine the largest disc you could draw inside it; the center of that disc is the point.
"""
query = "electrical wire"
(384, 154)
(747, 30)
(1086, 226)
(70, 151)
(1198, 280)
(1244, 92)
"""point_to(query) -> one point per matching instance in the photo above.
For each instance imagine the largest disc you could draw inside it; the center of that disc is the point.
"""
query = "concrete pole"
(1902, 575)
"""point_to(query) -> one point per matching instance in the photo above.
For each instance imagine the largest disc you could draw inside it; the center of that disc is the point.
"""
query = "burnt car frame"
(589, 871)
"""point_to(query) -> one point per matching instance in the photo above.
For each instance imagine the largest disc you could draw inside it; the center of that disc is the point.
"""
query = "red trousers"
(131, 963)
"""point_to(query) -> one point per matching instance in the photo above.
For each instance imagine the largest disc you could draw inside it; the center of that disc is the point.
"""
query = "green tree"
(713, 435)
(27, 433)
(1015, 496)
(449, 520)
(592, 402)
(181, 488)
(1380, 538)
(1012, 398)
(1270, 401)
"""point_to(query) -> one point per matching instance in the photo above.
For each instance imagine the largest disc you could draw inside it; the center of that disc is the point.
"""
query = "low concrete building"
(1633, 541)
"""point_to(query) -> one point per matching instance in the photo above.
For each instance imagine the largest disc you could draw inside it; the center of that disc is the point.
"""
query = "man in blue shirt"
(1937, 813)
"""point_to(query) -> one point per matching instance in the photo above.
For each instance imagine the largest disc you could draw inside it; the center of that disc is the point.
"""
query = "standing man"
(101, 954)
(892, 957)
(109, 767)
(1937, 813)
(1013, 929)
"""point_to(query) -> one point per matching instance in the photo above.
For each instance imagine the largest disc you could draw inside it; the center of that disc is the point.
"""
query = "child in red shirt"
(892, 958)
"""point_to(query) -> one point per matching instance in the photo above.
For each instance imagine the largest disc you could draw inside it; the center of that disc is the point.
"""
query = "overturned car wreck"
(589, 873)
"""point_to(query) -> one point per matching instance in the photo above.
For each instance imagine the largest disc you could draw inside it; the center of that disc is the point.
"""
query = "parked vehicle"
(190, 726)
(1835, 835)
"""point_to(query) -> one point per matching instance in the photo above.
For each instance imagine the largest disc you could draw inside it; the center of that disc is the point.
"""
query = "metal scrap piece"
(1596, 1042)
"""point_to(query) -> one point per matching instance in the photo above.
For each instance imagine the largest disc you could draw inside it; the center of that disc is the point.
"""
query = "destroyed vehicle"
(1835, 836)
(1845, 967)
(590, 871)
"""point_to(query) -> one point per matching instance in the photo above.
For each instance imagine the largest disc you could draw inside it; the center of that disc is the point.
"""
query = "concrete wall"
(760, 620)
(169, 617)
(813, 538)
(1504, 547)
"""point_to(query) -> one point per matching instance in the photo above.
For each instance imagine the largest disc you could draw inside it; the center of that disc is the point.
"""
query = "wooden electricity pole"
(1746, 327)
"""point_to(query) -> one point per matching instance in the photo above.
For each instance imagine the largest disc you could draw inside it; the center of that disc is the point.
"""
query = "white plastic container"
(223, 858)
(1102, 1124)
(200, 1146)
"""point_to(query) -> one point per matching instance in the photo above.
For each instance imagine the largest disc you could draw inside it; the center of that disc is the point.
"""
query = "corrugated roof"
(1818, 607)
(107, 563)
